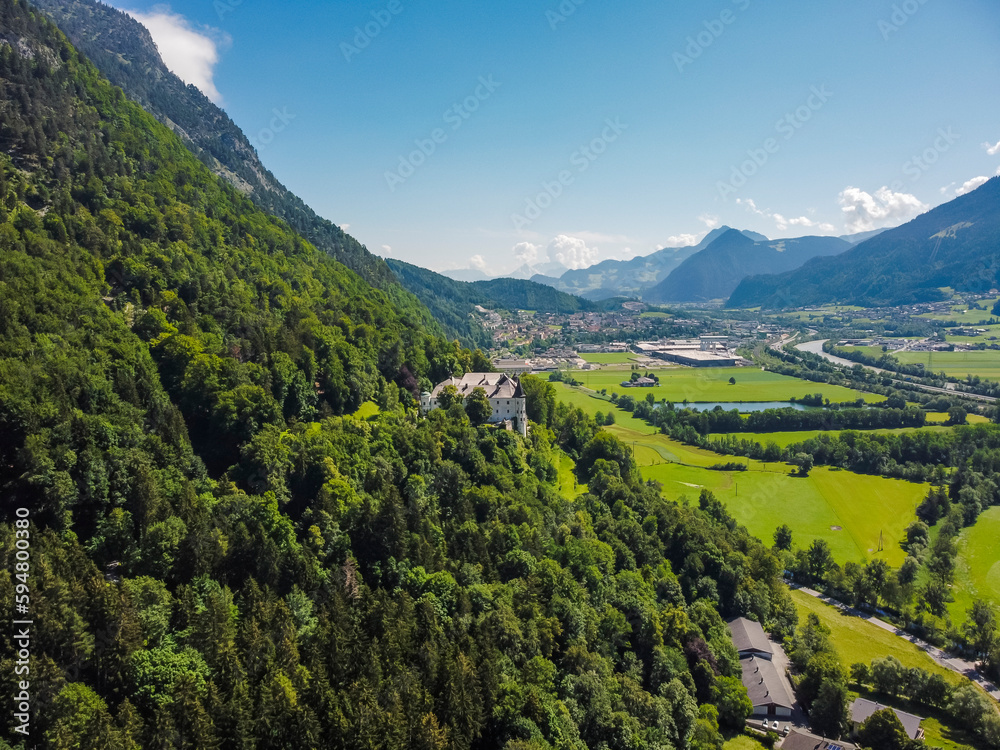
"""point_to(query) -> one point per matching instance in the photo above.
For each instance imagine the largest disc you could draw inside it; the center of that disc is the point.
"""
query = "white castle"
(504, 392)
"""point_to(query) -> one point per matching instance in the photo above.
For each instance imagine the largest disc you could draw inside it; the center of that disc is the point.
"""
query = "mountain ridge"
(953, 245)
(717, 270)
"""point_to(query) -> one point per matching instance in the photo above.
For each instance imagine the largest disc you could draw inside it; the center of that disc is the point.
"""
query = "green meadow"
(615, 358)
(985, 364)
(849, 510)
(977, 574)
(712, 384)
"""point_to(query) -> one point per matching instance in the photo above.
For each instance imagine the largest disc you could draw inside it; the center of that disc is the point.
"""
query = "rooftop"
(862, 708)
(749, 636)
(496, 385)
(764, 686)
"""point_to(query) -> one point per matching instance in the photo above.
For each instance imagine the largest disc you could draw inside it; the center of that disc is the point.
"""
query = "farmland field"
(985, 364)
(823, 505)
(978, 567)
(784, 439)
(712, 384)
(858, 640)
(616, 358)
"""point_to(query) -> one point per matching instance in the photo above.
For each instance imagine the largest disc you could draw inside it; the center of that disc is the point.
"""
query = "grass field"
(712, 384)
(367, 410)
(823, 505)
(985, 364)
(858, 640)
(961, 314)
(616, 358)
(784, 439)
(742, 742)
(978, 568)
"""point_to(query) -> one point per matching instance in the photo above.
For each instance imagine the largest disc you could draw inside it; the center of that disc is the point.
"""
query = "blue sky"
(453, 134)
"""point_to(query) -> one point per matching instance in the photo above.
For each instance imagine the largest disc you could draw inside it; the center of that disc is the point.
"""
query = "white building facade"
(504, 393)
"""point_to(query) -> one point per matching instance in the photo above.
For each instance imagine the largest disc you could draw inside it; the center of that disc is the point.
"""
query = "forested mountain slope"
(715, 271)
(955, 245)
(223, 557)
(125, 53)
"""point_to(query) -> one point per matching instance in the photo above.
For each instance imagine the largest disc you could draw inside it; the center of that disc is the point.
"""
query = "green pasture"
(977, 574)
(985, 364)
(962, 314)
(858, 640)
(610, 358)
(784, 439)
(848, 510)
(712, 384)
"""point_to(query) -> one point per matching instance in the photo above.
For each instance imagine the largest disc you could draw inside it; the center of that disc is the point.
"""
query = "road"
(959, 666)
(816, 347)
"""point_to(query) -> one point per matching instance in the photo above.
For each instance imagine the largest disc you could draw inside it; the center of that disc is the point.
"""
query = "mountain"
(124, 52)
(238, 531)
(714, 272)
(629, 278)
(955, 245)
(551, 268)
(466, 274)
(860, 237)
(453, 302)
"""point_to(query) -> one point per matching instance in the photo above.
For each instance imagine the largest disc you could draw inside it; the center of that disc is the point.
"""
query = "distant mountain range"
(955, 245)
(714, 272)
(630, 278)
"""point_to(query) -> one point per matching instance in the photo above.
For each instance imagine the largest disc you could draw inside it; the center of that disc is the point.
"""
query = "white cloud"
(526, 253)
(345, 227)
(992, 150)
(864, 211)
(387, 248)
(709, 220)
(189, 53)
(684, 240)
(782, 222)
(971, 185)
(572, 252)
(478, 262)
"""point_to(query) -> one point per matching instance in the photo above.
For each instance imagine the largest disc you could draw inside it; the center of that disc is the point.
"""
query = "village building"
(863, 708)
(768, 692)
(505, 394)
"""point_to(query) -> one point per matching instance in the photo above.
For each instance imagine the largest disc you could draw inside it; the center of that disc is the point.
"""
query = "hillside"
(714, 272)
(629, 278)
(452, 302)
(223, 555)
(955, 245)
(125, 53)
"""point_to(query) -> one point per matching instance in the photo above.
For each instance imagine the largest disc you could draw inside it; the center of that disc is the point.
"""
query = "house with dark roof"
(505, 394)
(863, 708)
(750, 639)
(767, 691)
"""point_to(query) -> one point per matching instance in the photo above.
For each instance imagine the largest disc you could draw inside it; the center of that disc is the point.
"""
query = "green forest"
(223, 555)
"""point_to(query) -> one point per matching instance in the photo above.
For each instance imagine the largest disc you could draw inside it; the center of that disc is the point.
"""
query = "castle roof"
(497, 385)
